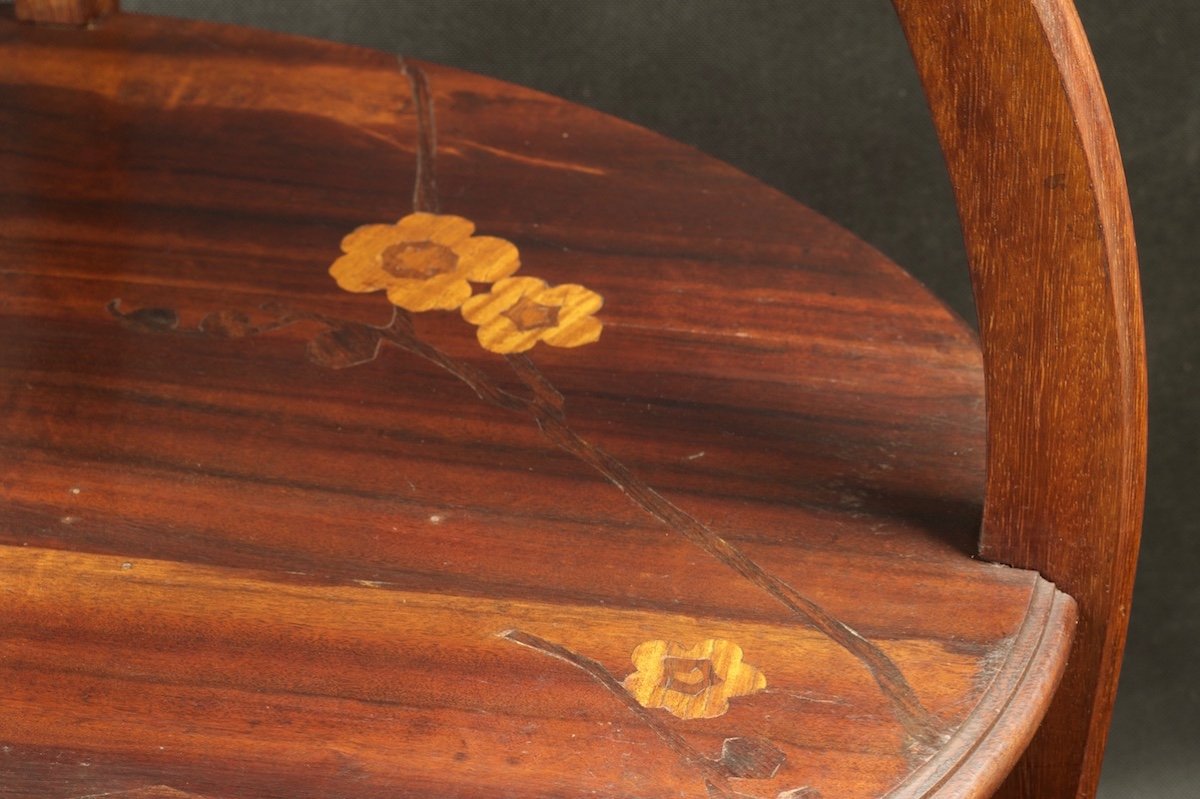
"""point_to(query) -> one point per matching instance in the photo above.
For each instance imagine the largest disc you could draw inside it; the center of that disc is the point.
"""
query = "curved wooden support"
(1031, 151)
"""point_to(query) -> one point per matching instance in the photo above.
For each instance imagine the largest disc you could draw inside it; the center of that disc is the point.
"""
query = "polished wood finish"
(64, 12)
(266, 534)
(1029, 143)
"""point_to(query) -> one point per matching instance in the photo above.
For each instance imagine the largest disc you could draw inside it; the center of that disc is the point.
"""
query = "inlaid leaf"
(145, 320)
(346, 346)
(755, 758)
(227, 324)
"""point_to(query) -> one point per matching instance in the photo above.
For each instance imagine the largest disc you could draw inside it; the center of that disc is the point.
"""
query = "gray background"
(820, 99)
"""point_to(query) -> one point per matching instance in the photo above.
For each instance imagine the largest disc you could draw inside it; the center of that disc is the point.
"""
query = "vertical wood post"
(1031, 152)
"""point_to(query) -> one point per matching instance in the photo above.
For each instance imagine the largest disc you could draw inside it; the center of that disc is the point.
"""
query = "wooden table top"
(590, 467)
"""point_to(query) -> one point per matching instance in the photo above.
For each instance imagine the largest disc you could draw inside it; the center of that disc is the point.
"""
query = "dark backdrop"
(820, 100)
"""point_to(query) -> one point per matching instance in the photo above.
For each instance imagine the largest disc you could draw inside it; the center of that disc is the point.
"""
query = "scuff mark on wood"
(547, 163)
(151, 792)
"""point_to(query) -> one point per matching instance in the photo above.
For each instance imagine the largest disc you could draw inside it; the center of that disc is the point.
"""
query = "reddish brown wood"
(234, 571)
(65, 12)
(1031, 151)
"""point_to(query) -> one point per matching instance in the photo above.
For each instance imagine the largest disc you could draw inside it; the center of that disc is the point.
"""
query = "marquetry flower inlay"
(425, 261)
(692, 683)
(521, 311)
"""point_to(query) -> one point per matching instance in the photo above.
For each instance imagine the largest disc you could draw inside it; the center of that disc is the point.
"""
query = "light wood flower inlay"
(692, 683)
(521, 311)
(428, 262)
(425, 261)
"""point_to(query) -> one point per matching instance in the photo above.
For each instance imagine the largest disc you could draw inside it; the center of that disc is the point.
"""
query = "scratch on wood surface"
(532, 160)
(151, 792)
(803, 792)
(178, 93)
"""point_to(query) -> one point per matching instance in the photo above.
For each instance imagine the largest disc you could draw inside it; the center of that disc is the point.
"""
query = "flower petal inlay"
(692, 683)
(521, 311)
(424, 261)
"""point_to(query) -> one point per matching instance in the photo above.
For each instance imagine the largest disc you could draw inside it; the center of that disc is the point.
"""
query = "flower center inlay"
(529, 315)
(419, 260)
(690, 676)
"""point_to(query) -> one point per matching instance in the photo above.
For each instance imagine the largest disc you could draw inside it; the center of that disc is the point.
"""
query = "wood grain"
(64, 12)
(1030, 147)
(265, 537)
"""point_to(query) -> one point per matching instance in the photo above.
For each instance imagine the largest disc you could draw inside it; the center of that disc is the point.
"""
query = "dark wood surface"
(1030, 146)
(233, 571)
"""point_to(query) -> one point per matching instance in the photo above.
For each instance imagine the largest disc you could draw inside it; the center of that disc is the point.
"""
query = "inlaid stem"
(425, 191)
(678, 744)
